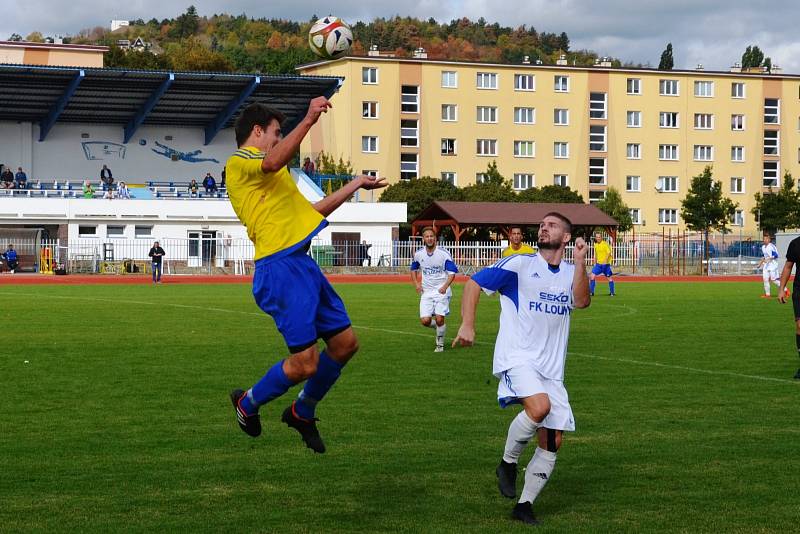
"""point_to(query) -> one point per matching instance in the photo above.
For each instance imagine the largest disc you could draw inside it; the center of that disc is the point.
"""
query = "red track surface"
(92, 279)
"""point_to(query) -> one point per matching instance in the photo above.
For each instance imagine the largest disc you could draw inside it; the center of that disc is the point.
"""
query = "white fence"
(680, 254)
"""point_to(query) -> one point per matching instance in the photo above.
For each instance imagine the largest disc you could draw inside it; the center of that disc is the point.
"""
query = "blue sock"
(591, 286)
(611, 287)
(274, 384)
(328, 371)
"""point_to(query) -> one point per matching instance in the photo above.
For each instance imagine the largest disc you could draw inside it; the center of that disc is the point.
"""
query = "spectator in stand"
(11, 258)
(156, 254)
(88, 190)
(209, 183)
(222, 176)
(106, 177)
(7, 178)
(21, 178)
(308, 167)
(109, 194)
(193, 188)
(122, 191)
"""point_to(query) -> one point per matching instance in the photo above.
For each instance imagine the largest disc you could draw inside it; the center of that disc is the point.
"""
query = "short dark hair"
(561, 218)
(255, 115)
(425, 229)
(511, 228)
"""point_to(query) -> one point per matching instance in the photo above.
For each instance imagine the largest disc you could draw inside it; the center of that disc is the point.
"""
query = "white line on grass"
(420, 334)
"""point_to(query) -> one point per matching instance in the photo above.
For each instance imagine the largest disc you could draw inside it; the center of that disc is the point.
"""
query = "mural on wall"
(177, 155)
(102, 150)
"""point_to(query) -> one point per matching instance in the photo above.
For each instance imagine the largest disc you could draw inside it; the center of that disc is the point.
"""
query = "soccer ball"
(330, 38)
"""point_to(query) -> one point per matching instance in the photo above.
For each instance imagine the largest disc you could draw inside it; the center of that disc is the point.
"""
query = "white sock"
(520, 433)
(766, 287)
(537, 474)
(777, 283)
(440, 330)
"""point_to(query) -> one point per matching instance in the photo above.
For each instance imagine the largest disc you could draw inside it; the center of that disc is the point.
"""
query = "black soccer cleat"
(507, 479)
(523, 511)
(250, 424)
(306, 427)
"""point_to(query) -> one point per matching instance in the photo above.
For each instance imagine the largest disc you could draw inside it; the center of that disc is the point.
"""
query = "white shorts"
(524, 381)
(770, 273)
(431, 304)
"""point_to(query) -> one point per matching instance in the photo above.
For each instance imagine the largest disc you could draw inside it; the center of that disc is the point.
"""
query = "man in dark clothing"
(21, 178)
(7, 178)
(11, 258)
(222, 182)
(156, 253)
(792, 257)
(106, 177)
(209, 183)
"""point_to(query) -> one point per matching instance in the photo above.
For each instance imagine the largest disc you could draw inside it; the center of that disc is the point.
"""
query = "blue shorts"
(602, 268)
(295, 293)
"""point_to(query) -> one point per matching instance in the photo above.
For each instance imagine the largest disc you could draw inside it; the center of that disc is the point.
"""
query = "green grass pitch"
(687, 416)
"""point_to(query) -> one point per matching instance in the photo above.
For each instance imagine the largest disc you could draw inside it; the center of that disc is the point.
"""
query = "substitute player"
(537, 295)
(516, 246)
(792, 257)
(769, 265)
(288, 284)
(603, 258)
(432, 272)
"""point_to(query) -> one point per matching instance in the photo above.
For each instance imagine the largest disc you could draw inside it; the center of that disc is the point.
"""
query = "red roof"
(506, 213)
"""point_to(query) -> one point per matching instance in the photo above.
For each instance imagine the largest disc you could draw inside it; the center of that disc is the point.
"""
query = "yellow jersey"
(602, 253)
(523, 249)
(277, 216)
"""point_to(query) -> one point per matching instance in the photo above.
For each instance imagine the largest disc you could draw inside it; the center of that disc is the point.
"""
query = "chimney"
(699, 67)
(562, 60)
(373, 51)
(737, 67)
(420, 53)
(526, 60)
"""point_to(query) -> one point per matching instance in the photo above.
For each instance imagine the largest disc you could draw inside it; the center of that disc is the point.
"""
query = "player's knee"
(302, 365)
(538, 409)
(797, 327)
(426, 321)
(439, 320)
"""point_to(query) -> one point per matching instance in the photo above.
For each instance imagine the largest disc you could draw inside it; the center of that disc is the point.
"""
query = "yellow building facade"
(644, 132)
(51, 54)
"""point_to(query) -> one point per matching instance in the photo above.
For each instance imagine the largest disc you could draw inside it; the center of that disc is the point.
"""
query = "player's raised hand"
(371, 182)
(580, 251)
(465, 337)
(317, 107)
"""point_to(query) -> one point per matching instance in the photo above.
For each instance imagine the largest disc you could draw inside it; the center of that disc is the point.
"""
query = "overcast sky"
(711, 32)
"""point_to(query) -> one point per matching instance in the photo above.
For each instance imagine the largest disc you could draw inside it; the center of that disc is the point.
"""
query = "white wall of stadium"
(78, 151)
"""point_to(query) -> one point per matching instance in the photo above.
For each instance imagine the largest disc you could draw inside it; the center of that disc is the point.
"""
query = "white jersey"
(435, 268)
(770, 253)
(535, 306)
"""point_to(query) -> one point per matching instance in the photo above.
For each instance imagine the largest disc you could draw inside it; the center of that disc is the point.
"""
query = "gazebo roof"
(508, 213)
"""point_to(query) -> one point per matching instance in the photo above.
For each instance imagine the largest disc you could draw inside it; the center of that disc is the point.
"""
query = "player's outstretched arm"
(469, 307)
(785, 275)
(328, 205)
(580, 281)
(283, 152)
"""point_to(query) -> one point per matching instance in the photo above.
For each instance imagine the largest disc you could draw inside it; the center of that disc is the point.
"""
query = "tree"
(779, 210)
(419, 194)
(35, 37)
(704, 208)
(493, 188)
(752, 57)
(615, 207)
(667, 62)
(15, 37)
(550, 193)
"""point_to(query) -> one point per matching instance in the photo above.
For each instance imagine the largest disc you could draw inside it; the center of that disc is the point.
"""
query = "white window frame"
(636, 215)
(445, 146)
(558, 114)
(594, 197)
(703, 152)
(480, 177)
(772, 111)
(668, 152)
(561, 83)
(366, 75)
(559, 178)
(519, 111)
(482, 111)
(450, 176)
(772, 145)
(737, 122)
(369, 143)
(369, 172)
(486, 147)
(597, 108)
(703, 121)
(767, 178)
(633, 119)
(737, 185)
(593, 174)
(597, 139)
(704, 88)
(737, 153)
(409, 132)
(669, 119)
(529, 178)
(524, 82)
(410, 99)
(561, 150)
(82, 233)
(667, 216)
(446, 79)
(633, 183)
(487, 81)
(367, 108)
(735, 92)
(524, 148)
(668, 184)
(737, 219)
(120, 227)
(666, 87)
(633, 86)
(408, 169)
(633, 151)
(445, 111)
(140, 229)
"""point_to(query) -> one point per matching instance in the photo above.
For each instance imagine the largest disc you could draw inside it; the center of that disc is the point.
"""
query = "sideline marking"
(426, 335)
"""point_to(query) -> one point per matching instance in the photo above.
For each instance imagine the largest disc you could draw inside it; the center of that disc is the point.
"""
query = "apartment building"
(643, 131)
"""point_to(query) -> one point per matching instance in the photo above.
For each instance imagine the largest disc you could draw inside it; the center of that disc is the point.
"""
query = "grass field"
(687, 417)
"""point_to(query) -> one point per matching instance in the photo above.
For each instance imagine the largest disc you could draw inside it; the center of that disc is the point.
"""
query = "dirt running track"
(93, 279)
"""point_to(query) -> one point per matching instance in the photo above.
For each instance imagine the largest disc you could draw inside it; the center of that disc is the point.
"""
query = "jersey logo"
(535, 275)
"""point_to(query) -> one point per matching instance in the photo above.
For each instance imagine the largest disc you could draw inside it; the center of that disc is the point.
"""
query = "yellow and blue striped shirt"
(279, 219)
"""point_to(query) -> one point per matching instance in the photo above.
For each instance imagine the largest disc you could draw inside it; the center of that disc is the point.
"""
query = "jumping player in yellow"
(288, 285)
(603, 258)
(516, 246)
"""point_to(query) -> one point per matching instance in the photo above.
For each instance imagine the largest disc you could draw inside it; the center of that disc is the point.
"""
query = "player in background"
(792, 257)
(516, 246)
(537, 295)
(288, 284)
(603, 258)
(432, 272)
(769, 265)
